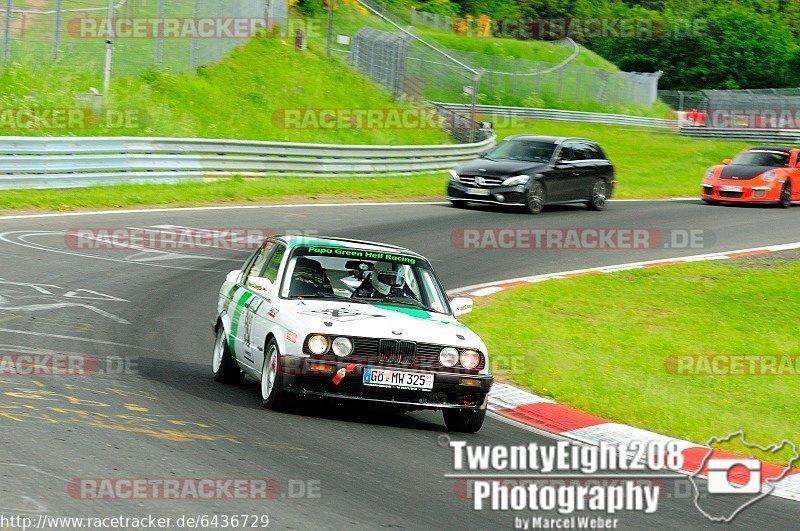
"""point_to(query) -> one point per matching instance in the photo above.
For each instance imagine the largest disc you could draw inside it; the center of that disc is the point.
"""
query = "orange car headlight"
(769, 176)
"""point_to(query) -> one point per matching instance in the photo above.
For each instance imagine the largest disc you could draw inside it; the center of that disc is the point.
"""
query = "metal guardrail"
(566, 116)
(69, 162)
(766, 136)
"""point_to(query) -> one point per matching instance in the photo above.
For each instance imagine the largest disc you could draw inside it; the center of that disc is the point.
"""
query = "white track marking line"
(74, 338)
(5, 237)
(257, 207)
(211, 208)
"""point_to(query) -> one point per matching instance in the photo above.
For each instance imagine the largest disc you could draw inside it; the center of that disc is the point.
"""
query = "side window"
(583, 152)
(567, 153)
(261, 260)
(271, 269)
(596, 152)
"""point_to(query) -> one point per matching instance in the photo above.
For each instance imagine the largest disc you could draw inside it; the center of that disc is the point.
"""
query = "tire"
(536, 198)
(463, 421)
(272, 394)
(710, 202)
(786, 195)
(599, 200)
(224, 367)
(458, 203)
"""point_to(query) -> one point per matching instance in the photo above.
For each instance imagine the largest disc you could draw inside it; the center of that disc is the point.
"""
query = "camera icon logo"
(739, 481)
(734, 476)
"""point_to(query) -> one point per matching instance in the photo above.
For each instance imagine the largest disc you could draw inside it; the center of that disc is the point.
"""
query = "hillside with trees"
(698, 44)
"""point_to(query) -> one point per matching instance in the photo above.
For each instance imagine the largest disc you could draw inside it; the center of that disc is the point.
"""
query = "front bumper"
(739, 193)
(306, 376)
(500, 195)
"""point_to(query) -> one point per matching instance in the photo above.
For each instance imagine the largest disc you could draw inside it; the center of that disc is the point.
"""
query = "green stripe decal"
(237, 316)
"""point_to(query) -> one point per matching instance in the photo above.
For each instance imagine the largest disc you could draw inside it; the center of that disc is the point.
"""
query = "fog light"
(470, 382)
(500, 197)
(759, 193)
(321, 367)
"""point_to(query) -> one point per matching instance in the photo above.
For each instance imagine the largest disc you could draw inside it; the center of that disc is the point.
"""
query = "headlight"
(709, 173)
(514, 181)
(448, 357)
(454, 176)
(342, 347)
(318, 344)
(470, 359)
(770, 176)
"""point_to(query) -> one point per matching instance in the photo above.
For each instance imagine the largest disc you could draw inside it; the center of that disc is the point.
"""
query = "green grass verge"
(232, 191)
(600, 343)
(649, 163)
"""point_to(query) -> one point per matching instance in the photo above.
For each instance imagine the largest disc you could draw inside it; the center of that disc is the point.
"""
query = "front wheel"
(464, 421)
(599, 198)
(786, 195)
(225, 368)
(536, 198)
(272, 394)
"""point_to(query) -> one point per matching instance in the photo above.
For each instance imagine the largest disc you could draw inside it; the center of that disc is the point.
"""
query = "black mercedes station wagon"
(534, 171)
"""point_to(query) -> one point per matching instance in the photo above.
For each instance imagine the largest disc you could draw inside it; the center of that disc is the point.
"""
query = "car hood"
(388, 321)
(500, 168)
(743, 172)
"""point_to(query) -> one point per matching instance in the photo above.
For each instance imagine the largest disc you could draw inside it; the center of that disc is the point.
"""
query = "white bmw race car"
(350, 320)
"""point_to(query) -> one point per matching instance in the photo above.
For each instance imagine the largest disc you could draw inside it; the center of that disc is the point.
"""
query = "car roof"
(782, 149)
(361, 245)
(549, 139)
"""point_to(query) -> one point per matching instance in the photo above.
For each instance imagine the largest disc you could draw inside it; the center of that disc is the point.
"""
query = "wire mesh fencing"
(131, 36)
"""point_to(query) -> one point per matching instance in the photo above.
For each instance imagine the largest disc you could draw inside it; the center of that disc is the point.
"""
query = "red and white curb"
(490, 288)
(564, 421)
(570, 423)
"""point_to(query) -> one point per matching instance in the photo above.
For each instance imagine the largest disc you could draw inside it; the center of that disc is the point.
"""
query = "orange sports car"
(756, 175)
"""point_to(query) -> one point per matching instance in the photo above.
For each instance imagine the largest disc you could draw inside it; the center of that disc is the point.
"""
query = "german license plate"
(477, 191)
(730, 188)
(418, 381)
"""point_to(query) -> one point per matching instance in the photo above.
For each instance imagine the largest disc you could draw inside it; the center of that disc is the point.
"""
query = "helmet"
(383, 278)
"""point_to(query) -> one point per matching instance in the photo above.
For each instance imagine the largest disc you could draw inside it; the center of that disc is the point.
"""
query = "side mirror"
(726, 162)
(461, 306)
(798, 164)
(233, 277)
(260, 285)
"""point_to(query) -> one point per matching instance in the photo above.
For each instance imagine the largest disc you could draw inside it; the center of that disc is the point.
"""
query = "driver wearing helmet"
(384, 282)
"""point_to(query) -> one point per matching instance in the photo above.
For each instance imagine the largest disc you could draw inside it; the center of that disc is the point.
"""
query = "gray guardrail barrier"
(68, 162)
(766, 136)
(556, 115)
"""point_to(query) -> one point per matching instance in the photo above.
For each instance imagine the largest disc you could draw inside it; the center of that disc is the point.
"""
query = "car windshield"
(523, 150)
(775, 159)
(363, 276)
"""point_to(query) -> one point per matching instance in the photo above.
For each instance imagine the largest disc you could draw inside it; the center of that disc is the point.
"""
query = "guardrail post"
(7, 30)
(109, 52)
(160, 35)
(57, 31)
(194, 59)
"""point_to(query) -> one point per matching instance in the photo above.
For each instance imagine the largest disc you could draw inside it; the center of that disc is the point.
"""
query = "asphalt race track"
(164, 417)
